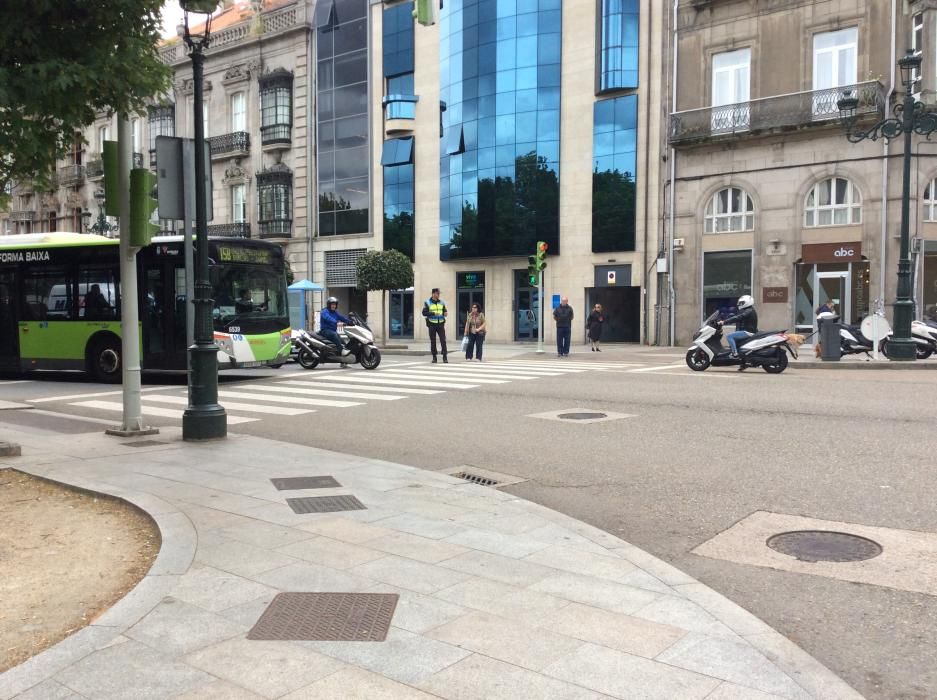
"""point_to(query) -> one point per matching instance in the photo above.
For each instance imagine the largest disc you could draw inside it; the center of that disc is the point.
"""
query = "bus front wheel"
(104, 360)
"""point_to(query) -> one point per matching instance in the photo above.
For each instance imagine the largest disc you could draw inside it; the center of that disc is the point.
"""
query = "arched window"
(930, 201)
(833, 202)
(730, 209)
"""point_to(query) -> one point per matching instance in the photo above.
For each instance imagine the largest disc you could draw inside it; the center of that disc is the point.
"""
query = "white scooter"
(924, 335)
(766, 350)
(358, 339)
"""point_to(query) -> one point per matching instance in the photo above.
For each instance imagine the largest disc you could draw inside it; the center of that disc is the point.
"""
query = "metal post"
(540, 315)
(129, 313)
(188, 249)
(203, 419)
(900, 345)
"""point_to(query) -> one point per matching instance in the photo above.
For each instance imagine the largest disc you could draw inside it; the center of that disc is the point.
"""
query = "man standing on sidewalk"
(435, 312)
(563, 315)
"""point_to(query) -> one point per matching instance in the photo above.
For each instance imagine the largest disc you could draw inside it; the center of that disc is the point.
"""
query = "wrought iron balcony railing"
(237, 143)
(274, 134)
(71, 175)
(780, 112)
(279, 228)
(238, 230)
(94, 169)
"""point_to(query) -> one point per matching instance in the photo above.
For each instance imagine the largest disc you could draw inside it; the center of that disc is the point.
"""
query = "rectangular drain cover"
(305, 482)
(324, 504)
(475, 479)
(144, 443)
(326, 617)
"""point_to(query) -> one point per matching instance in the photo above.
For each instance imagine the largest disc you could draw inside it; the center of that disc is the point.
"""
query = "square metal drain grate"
(327, 617)
(324, 504)
(305, 482)
(144, 443)
(475, 479)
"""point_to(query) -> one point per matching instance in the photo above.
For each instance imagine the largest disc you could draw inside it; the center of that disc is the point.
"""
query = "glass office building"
(500, 65)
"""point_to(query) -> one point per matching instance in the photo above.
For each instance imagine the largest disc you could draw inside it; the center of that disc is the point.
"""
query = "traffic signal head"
(426, 12)
(541, 257)
(142, 206)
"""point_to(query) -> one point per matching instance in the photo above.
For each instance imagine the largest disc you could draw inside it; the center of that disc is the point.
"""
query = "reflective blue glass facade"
(619, 45)
(342, 91)
(499, 156)
(398, 209)
(614, 163)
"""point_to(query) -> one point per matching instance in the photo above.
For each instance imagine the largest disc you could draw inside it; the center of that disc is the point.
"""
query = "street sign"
(611, 277)
(173, 170)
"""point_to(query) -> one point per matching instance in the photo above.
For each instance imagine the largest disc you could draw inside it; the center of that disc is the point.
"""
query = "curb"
(868, 364)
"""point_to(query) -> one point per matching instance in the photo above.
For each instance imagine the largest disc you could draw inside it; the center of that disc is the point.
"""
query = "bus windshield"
(248, 295)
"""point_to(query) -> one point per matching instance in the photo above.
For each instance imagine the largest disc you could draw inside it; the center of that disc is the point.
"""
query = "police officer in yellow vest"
(435, 312)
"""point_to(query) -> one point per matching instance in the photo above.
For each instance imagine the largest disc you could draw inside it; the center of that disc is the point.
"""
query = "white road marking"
(657, 369)
(405, 382)
(96, 394)
(257, 396)
(153, 410)
(430, 374)
(5, 382)
(358, 387)
(311, 391)
(250, 408)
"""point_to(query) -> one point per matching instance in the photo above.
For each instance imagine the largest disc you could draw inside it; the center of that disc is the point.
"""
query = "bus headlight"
(225, 344)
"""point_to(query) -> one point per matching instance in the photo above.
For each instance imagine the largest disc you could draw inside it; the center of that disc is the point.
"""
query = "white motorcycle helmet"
(745, 301)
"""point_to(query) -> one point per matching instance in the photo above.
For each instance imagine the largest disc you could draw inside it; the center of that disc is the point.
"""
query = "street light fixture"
(204, 418)
(101, 227)
(911, 117)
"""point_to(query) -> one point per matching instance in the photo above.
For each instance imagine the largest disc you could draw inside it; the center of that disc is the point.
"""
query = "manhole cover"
(581, 416)
(327, 617)
(824, 545)
(305, 482)
(475, 479)
(324, 504)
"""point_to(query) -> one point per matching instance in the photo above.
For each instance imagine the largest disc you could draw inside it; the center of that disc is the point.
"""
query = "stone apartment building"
(764, 195)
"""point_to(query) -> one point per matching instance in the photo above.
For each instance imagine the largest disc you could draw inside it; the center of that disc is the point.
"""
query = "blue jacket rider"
(329, 318)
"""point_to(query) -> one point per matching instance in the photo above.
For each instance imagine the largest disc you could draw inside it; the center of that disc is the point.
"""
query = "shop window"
(401, 314)
(730, 209)
(833, 202)
(727, 275)
(930, 201)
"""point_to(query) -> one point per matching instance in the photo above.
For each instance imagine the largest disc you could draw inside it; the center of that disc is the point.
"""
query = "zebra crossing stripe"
(405, 382)
(432, 374)
(358, 387)
(530, 368)
(493, 373)
(257, 396)
(251, 408)
(658, 368)
(312, 391)
(151, 411)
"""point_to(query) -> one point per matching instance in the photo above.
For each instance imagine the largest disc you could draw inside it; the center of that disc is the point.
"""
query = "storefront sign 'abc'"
(831, 252)
(774, 295)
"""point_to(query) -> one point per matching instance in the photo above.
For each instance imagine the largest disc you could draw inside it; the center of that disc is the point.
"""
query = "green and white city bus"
(60, 303)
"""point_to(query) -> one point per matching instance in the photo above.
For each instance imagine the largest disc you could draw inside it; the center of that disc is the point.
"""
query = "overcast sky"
(172, 17)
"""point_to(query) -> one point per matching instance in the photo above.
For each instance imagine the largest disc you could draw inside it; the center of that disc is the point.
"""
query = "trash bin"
(830, 350)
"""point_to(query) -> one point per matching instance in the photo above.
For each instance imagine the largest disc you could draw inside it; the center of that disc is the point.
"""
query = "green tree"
(60, 64)
(384, 270)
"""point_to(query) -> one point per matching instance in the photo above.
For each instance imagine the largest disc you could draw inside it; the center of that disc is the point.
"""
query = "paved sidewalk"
(498, 597)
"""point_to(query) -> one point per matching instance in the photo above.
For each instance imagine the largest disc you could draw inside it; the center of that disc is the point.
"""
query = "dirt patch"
(65, 558)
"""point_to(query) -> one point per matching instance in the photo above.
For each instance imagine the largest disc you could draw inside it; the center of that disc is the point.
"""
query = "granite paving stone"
(419, 613)
(586, 563)
(218, 690)
(49, 690)
(597, 592)
(481, 678)
(176, 628)
(329, 552)
(344, 529)
(731, 691)
(433, 528)
(270, 669)
(357, 684)
(525, 605)
(214, 590)
(478, 593)
(514, 546)
(409, 574)
(673, 610)
(422, 549)
(515, 572)
(242, 559)
(306, 577)
(263, 534)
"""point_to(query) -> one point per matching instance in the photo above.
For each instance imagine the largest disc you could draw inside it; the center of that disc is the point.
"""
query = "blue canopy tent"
(297, 301)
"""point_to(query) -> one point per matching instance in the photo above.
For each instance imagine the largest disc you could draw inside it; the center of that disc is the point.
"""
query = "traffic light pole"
(540, 313)
(129, 311)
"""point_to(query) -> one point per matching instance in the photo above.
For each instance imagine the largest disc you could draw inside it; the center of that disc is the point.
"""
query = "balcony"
(71, 175)
(276, 135)
(94, 169)
(237, 143)
(238, 230)
(798, 110)
(399, 113)
(22, 215)
(278, 228)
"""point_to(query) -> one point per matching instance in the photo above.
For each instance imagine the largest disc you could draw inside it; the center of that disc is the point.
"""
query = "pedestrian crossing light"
(426, 12)
(533, 277)
(142, 205)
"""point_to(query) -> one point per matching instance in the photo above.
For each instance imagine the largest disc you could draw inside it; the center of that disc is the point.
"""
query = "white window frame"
(104, 134)
(239, 204)
(732, 219)
(930, 201)
(817, 215)
(238, 103)
(842, 45)
(917, 45)
(732, 69)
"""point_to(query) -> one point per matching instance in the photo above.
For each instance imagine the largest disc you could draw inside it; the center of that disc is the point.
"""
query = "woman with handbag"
(594, 326)
(475, 328)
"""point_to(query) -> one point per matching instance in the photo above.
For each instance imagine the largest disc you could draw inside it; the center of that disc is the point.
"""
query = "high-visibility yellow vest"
(435, 311)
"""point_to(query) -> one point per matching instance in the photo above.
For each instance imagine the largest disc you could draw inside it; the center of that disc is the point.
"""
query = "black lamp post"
(101, 226)
(911, 117)
(204, 418)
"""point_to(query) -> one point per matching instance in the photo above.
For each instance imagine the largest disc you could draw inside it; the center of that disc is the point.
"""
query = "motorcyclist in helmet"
(329, 318)
(746, 322)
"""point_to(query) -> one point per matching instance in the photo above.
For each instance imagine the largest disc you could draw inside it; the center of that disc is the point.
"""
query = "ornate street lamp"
(911, 117)
(101, 227)
(203, 419)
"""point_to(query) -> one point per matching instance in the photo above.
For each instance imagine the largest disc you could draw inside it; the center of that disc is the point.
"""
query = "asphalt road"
(699, 453)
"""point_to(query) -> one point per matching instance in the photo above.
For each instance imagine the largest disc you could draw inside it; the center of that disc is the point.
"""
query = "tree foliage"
(60, 64)
(384, 270)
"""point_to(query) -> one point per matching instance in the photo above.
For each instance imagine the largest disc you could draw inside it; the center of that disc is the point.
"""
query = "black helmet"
(330, 301)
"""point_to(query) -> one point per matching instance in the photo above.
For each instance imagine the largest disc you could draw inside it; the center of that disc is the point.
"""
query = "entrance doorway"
(845, 284)
(162, 315)
(622, 309)
(526, 308)
(9, 329)
(470, 287)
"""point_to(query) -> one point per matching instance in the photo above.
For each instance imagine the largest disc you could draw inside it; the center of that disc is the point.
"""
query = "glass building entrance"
(845, 284)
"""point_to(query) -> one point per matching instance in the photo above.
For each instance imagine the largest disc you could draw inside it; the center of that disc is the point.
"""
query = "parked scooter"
(924, 335)
(766, 350)
(852, 340)
(313, 348)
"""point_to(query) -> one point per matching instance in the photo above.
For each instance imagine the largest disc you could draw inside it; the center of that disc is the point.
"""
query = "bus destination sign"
(18, 256)
(245, 255)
